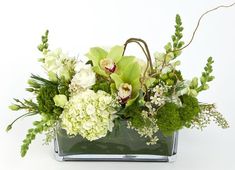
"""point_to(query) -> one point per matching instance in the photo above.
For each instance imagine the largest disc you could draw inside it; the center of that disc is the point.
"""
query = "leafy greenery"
(45, 100)
(208, 113)
(189, 110)
(44, 90)
(168, 119)
(29, 106)
(134, 114)
(101, 84)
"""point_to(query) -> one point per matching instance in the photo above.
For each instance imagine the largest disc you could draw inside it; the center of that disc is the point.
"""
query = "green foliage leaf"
(104, 86)
(134, 113)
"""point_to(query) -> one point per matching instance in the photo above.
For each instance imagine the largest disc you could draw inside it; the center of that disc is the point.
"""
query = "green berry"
(170, 82)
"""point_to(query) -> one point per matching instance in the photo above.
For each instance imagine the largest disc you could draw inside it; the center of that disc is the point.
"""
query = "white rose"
(83, 79)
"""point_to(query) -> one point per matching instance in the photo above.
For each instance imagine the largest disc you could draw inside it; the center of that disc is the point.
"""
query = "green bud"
(33, 83)
(181, 43)
(168, 47)
(41, 60)
(211, 78)
(170, 82)
(30, 89)
(164, 77)
(210, 60)
(40, 47)
(14, 107)
(9, 127)
(177, 63)
(35, 123)
(46, 45)
(171, 75)
(205, 87)
(194, 82)
(193, 92)
(203, 80)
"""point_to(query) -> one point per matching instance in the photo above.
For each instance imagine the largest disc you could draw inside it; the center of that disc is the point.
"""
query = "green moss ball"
(168, 119)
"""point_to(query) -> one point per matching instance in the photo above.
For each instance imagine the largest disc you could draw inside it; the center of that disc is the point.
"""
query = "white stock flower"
(57, 63)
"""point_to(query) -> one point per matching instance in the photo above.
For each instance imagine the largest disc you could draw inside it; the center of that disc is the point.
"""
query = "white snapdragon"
(83, 79)
(89, 114)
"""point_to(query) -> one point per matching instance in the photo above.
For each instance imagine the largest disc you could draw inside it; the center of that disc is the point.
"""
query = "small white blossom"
(158, 97)
(148, 132)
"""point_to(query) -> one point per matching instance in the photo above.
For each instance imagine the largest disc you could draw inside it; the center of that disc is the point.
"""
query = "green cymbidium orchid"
(105, 63)
(127, 80)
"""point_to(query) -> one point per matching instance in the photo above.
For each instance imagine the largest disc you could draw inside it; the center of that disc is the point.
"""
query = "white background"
(77, 25)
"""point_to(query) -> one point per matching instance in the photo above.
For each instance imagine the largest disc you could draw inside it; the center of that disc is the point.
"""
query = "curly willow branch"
(199, 21)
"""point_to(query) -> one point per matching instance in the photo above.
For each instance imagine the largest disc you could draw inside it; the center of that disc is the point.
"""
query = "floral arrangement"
(90, 98)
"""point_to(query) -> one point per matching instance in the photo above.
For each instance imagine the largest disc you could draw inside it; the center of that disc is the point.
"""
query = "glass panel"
(121, 141)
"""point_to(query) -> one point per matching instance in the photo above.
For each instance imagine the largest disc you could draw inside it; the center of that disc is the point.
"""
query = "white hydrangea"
(83, 79)
(57, 63)
(89, 114)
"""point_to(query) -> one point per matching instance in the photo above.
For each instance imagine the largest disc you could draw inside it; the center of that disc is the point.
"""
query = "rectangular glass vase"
(122, 144)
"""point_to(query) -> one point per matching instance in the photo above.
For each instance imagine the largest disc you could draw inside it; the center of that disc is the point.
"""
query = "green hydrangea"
(89, 114)
(168, 118)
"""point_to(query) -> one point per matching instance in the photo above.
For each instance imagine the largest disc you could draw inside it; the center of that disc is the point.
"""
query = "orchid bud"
(124, 92)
